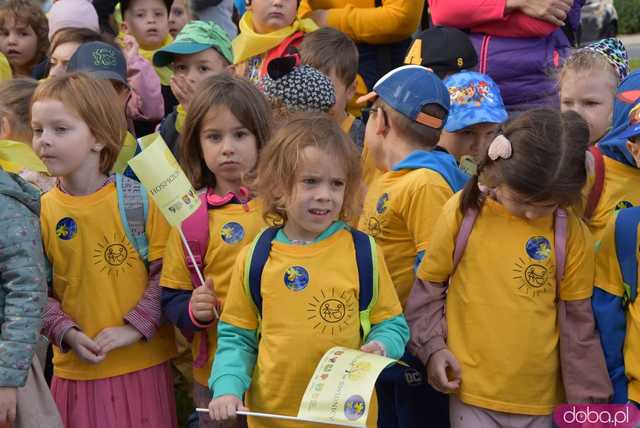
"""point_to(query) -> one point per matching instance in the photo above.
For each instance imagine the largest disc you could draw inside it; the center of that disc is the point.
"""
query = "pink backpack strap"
(560, 227)
(196, 232)
(468, 221)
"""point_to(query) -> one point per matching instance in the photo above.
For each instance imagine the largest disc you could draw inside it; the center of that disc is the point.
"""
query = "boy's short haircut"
(126, 4)
(327, 50)
(412, 131)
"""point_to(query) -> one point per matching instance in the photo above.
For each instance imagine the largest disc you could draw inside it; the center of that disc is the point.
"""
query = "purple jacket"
(525, 68)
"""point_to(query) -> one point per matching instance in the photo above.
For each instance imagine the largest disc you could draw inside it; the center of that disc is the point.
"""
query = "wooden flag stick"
(195, 265)
(289, 418)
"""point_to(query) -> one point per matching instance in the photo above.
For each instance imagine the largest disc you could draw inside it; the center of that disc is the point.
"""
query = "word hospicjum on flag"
(341, 387)
(159, 171)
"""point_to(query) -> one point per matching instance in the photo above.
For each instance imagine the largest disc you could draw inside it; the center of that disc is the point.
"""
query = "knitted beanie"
(615, 52)
(72, 14)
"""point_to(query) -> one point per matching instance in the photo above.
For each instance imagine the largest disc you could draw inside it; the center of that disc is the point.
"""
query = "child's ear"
(124, 27)
(97, 147)
(351, 89)
(5, 128)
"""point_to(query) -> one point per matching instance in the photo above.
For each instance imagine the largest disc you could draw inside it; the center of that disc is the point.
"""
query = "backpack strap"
(196, 233)
(365, 249)
(627, 220)
(560, 226)
(598, 186)
(133, 206)
(258, 256)
(466, 226)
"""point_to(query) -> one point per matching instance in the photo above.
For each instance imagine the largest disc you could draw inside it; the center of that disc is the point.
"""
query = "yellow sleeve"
(239, 309)
(437, 264)
(157, 230)
(579, 273)
(608, 274)
(423, 208)
(175, 273)
(388, 304)
(396, 20)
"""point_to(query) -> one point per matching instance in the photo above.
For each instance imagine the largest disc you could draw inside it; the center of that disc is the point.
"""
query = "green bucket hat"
(195, 37)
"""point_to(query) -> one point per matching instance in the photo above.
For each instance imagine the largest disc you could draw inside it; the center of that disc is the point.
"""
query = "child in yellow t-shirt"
(267, 26)
(614, 182)
(614, 299)
(309, 178)
(227, 125)
(507, 346)
(111, 351)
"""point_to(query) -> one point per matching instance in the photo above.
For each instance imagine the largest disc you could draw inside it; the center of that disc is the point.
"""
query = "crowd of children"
(495, 255)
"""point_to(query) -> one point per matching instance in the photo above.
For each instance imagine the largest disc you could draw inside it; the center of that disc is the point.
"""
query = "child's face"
(179, 15)
(518, 206)
(472, 141)
(229, 149)
(146, 20)
(60, 58)
(317, 195)
(344, 93)
(18, 43)
(591, 95)
(198, 66)
(272, 15)
(62, 139)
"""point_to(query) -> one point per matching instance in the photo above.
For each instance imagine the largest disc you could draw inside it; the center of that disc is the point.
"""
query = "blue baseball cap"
(634, 124)
(408, 89)
(475, 98)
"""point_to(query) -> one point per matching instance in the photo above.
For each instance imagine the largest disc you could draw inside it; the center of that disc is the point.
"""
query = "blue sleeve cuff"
(419, 258)
(175, 308)
(393, 334)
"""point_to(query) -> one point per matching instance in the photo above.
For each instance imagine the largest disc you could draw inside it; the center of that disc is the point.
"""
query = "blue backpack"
(366, 260)
(626, 251)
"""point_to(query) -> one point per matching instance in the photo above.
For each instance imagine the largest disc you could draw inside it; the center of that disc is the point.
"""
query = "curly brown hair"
(283, 157)
(29, 14)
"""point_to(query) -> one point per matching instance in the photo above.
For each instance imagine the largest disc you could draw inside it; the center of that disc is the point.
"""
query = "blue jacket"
(23, 287)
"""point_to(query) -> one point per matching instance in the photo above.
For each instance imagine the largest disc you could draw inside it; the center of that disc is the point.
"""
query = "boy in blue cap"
(200, 50)
(475, 116)
(410, 108)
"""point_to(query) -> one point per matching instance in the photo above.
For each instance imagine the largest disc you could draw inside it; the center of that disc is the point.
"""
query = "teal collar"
(329, 231)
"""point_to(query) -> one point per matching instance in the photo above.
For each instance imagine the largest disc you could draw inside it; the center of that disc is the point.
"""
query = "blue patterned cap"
(615, 52)
(475, 98)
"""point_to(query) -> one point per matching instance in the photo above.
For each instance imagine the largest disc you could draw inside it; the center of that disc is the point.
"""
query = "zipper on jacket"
(484, 54)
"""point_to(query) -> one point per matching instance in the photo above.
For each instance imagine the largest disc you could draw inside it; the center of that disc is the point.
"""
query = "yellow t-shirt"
(230, 229)
(609, 279)
(501, 310)
(621, 190)
(370, 172)
(98, 277)
(310, 304)
(400, 211)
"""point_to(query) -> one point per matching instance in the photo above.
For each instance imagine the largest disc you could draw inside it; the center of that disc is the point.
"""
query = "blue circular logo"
(232, 232)
(296, 278)
(538, 248)
(383, 203)
(354, 407)
(623, 204)
(66, 228)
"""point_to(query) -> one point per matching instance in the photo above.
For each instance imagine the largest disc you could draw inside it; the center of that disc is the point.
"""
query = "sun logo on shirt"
(331, 312)
(114, 257)
(354, 407)
(66, 228)
(232, 232)
(533, 275)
